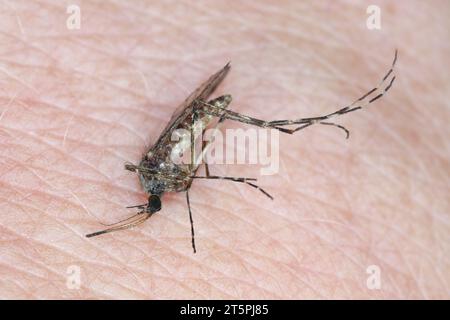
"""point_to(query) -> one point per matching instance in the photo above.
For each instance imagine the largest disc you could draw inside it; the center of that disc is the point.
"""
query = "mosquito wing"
(185, 109)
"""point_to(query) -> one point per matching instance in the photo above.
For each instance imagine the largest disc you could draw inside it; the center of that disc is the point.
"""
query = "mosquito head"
(154, 203)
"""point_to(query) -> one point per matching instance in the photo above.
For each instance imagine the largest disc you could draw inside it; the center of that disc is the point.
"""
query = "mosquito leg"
(134, 168)
(207, 170)
(235, 179)
(347, 133)
(192, 221)
(140, 206)
(302, 123)
(206, 145)
(194, 119)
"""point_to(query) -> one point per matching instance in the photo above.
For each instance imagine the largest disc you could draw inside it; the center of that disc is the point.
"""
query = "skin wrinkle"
(317, 235)
(41, 265)
(81, 161)
(28, 160)
(423, 293)
(70, 192)
(394, 165)
(225, 295)
(269, 235)
(36, 275)
(28, 46)
(93, 77)
(26, 196)
(12, 76)
(206, 296)
(156, 15)
(142, 292)
(14, 269)
(79, 257)
(292, 272)
(417, 280)
(72, 230)
(250, 275)
(6, 108)
(104, 265)
(178, 253)
(292, 222)
(233, 218)
(441, 278)
(18, 20)
(255, 227)
(119, 126)
(319, 201)
(347, 283)
(396, 269)
(83, 117)
(380, 222)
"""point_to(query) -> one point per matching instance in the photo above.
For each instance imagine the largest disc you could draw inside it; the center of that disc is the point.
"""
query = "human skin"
(75, 105)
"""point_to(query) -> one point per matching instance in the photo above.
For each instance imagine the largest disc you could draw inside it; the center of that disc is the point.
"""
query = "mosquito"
(157, 172)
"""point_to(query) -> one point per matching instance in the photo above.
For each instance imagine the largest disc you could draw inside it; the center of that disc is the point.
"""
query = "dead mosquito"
(159, 174)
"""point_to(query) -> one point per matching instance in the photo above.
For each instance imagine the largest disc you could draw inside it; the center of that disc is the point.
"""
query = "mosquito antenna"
(126, 219)
(122, 226)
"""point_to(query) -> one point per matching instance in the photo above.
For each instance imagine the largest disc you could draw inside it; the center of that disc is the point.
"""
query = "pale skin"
(75, 105)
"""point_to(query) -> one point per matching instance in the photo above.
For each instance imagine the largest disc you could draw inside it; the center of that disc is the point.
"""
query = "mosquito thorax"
(152, 185)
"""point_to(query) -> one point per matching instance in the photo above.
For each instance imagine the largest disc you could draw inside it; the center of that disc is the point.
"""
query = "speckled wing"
(185, 109)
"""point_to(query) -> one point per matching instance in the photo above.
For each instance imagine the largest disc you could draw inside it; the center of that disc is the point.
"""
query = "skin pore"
(75, 105)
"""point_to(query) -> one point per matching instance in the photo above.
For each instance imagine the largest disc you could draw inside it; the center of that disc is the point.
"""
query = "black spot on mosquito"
(154, 203)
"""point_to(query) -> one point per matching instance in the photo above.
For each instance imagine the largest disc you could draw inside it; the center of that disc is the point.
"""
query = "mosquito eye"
(154, 203)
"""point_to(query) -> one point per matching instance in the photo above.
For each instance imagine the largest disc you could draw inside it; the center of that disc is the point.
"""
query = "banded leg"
(360, 103)
(237, 179)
